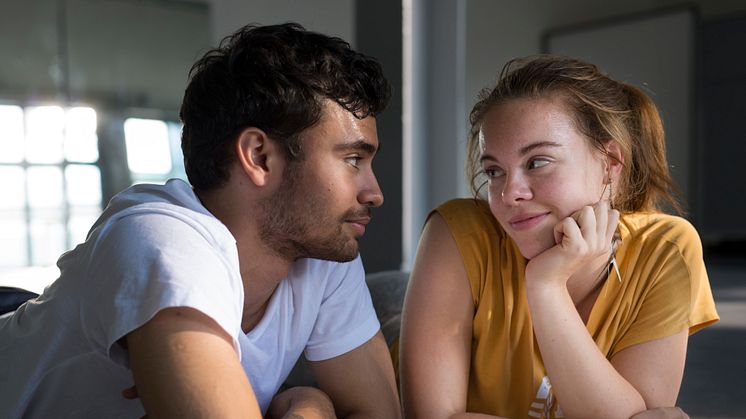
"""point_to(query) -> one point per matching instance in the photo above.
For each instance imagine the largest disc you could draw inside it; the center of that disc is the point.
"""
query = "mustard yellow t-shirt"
(664, 289)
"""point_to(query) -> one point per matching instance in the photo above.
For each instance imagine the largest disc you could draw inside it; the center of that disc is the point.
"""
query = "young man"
(203, 297)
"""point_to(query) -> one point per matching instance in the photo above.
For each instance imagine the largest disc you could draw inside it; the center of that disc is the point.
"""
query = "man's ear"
(258, 155)
(614, 159)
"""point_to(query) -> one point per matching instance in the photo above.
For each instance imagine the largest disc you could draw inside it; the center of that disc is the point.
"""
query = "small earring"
(613, 262)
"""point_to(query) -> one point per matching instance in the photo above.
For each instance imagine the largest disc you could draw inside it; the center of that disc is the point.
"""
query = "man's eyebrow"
(525, 150)
(359, 145)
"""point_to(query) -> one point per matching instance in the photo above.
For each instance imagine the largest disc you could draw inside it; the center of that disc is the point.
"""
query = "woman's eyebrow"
(527, 149)
(484, 157)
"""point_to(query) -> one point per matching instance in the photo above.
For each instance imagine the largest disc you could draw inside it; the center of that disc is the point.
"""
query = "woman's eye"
(492, 172)
(537, 163)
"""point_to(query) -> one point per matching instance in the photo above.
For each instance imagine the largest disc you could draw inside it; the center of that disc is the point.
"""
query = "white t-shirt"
(157, 247)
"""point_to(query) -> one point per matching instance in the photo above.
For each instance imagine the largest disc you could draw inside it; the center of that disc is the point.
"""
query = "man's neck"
(261, 268)
(261, 272)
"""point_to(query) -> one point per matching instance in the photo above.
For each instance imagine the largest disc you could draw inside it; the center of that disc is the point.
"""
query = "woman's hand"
(580, 239)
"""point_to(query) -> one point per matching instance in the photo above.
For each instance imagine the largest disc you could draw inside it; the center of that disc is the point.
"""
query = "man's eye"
(353, 160)
(537, 163)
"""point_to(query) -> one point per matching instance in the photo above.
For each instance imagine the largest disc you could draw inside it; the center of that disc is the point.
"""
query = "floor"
(714, 383)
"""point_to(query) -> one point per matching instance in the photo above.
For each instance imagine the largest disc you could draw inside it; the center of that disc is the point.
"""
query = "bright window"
(153, 150)
(50, 182)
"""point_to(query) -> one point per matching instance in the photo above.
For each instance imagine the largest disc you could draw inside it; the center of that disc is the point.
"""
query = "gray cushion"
(387, 290)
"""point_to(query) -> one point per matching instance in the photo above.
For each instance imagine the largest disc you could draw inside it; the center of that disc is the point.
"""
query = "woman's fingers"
(567, 233)
(612, 224)
(602, 220)
(580, 238)
(596, 225)
(587, 221)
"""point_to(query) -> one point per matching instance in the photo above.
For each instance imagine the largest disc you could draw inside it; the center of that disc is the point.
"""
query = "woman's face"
(540, 169)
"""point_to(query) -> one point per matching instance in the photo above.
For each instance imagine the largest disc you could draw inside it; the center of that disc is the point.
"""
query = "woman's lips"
(525, 222)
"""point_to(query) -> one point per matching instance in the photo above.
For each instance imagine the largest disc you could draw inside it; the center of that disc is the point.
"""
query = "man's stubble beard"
(296, 225)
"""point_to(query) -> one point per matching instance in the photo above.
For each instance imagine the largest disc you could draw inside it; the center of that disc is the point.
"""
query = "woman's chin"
(529, 254)
(531, 250)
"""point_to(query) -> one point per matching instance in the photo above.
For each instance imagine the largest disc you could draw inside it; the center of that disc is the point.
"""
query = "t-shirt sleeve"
(145, 263)
(678, 294)
(346, 317)
(479, 240)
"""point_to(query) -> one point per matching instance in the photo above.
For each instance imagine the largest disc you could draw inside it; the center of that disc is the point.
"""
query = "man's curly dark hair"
(274, 78)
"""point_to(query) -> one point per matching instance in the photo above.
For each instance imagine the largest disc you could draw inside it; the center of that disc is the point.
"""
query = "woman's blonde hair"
(604, 110)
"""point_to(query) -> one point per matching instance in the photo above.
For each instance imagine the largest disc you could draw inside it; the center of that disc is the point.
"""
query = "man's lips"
(526, 221)
(359, 224)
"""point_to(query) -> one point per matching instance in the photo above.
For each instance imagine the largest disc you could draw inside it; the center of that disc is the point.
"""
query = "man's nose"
(371, 194)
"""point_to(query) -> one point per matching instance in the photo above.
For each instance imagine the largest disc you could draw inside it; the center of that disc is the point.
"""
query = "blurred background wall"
(127, 61)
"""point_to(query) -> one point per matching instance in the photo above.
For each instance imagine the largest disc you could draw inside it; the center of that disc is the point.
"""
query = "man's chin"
(339, 257)
(347, 258)
(345, 254)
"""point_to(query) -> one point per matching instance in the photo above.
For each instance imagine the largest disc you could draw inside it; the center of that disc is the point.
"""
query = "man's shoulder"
(153, 209)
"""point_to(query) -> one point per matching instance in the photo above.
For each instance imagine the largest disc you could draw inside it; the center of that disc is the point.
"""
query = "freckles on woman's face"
(541, 169)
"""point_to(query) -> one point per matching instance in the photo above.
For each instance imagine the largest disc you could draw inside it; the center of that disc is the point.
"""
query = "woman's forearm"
(583, 380)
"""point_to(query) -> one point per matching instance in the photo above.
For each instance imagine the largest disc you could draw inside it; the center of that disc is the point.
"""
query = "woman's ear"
(257, 155)
(614, 159)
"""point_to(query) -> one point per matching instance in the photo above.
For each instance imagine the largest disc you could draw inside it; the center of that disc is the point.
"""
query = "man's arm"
(185, 366)
(301, 402)
(361, 382)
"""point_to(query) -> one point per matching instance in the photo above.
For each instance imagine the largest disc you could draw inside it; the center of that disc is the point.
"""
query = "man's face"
(323, 204)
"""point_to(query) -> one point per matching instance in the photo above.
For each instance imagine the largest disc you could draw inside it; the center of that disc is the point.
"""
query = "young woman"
(567, 293)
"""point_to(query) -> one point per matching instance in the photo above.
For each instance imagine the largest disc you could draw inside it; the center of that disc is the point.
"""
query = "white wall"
(498, 30)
